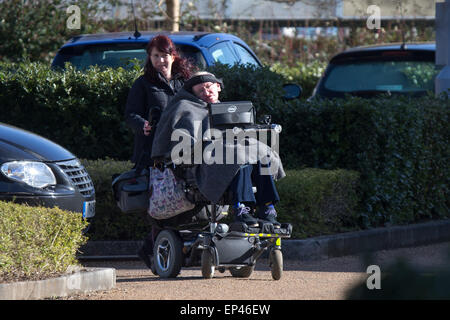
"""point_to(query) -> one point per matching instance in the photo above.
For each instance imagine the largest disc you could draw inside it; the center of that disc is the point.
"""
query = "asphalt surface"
(326, 279)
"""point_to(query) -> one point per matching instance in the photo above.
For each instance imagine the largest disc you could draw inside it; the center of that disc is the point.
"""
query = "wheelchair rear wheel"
(168, 254)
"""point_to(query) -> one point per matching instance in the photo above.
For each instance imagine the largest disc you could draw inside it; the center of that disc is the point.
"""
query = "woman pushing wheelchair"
(186, 136)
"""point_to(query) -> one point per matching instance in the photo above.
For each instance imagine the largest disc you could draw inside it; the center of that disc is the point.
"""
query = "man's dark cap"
(201, 78)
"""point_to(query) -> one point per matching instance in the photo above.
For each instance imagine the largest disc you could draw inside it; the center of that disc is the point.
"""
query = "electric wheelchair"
(198, 238)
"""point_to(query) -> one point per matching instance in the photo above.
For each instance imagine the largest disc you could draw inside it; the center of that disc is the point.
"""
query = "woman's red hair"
(164, 44)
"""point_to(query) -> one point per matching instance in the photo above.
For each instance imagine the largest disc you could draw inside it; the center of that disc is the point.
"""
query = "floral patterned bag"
(167, 197)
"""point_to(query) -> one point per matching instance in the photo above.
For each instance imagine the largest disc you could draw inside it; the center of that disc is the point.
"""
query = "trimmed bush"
(37, 242)
(81, 111)
(246, 82)
(84, 111)
(315, 201)
(319, 202)
(400, 146)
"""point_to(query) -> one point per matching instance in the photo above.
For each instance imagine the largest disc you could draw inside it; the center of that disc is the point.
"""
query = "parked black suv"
(36, 171)
(393, 69)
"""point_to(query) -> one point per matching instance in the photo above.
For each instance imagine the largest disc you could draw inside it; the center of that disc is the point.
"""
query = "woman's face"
(162, 62)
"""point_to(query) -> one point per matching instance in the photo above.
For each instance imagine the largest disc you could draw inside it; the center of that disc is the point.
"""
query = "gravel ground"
(309, 280)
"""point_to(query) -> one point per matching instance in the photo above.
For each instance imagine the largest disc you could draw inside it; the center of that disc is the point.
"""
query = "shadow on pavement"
(424, 258)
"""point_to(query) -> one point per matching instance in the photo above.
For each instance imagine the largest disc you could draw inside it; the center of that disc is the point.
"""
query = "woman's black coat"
(146, 100)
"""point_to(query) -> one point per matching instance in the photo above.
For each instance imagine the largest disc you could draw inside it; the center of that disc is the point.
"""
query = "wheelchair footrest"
(285, 229)
(266, 229)
(242, 227)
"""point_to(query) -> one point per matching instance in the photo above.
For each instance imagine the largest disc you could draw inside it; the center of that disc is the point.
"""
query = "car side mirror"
(292, 91)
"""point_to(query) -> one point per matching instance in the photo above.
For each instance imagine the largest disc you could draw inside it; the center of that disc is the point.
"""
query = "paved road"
(312, 280)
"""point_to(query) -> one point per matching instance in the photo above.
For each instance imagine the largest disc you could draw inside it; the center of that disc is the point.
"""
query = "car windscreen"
(387, 73)
(116, 55)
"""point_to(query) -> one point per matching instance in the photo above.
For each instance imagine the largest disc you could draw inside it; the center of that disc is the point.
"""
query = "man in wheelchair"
(188, 137)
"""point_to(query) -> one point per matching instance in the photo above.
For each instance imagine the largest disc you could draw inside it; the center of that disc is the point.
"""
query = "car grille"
(79, 176)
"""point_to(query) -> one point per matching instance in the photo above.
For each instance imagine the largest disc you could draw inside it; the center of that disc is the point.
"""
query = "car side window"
(222, 53)
(193, 54)
(82, 57)
(245, 55)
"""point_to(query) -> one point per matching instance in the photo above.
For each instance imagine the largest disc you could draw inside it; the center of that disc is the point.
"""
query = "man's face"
(207, 91)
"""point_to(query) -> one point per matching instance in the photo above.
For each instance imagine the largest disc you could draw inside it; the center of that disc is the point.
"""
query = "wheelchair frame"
(218, 246)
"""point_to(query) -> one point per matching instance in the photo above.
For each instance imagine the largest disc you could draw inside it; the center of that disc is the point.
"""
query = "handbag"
(167, 196)
(130, 190)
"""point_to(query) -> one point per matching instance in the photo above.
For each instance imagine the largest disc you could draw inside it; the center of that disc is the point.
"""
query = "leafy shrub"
(305, 75)
(318, 201)
(37, 241)
(82, 111)
(247, 82)
(37, 29)
(400, 146)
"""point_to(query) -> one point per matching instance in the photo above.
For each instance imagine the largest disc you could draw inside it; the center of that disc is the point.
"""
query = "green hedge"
(315, 201)
(246, 82)
(84, 111)
(81, 111)
(36, 241)
(400, 146)
(319, 202)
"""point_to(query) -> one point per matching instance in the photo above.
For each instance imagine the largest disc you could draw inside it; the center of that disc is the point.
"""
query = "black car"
(381, 69)
(37, 171)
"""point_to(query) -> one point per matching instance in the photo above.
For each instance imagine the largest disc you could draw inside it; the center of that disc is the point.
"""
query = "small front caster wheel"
(208, 267)
(276, 263)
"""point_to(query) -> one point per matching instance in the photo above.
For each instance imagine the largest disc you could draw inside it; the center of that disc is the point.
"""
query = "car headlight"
(35, 174)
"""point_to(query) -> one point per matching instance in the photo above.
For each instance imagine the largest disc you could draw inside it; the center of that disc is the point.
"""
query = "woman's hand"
(147, 128)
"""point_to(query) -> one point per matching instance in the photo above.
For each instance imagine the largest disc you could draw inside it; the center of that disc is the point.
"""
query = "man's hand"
(147, 128)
